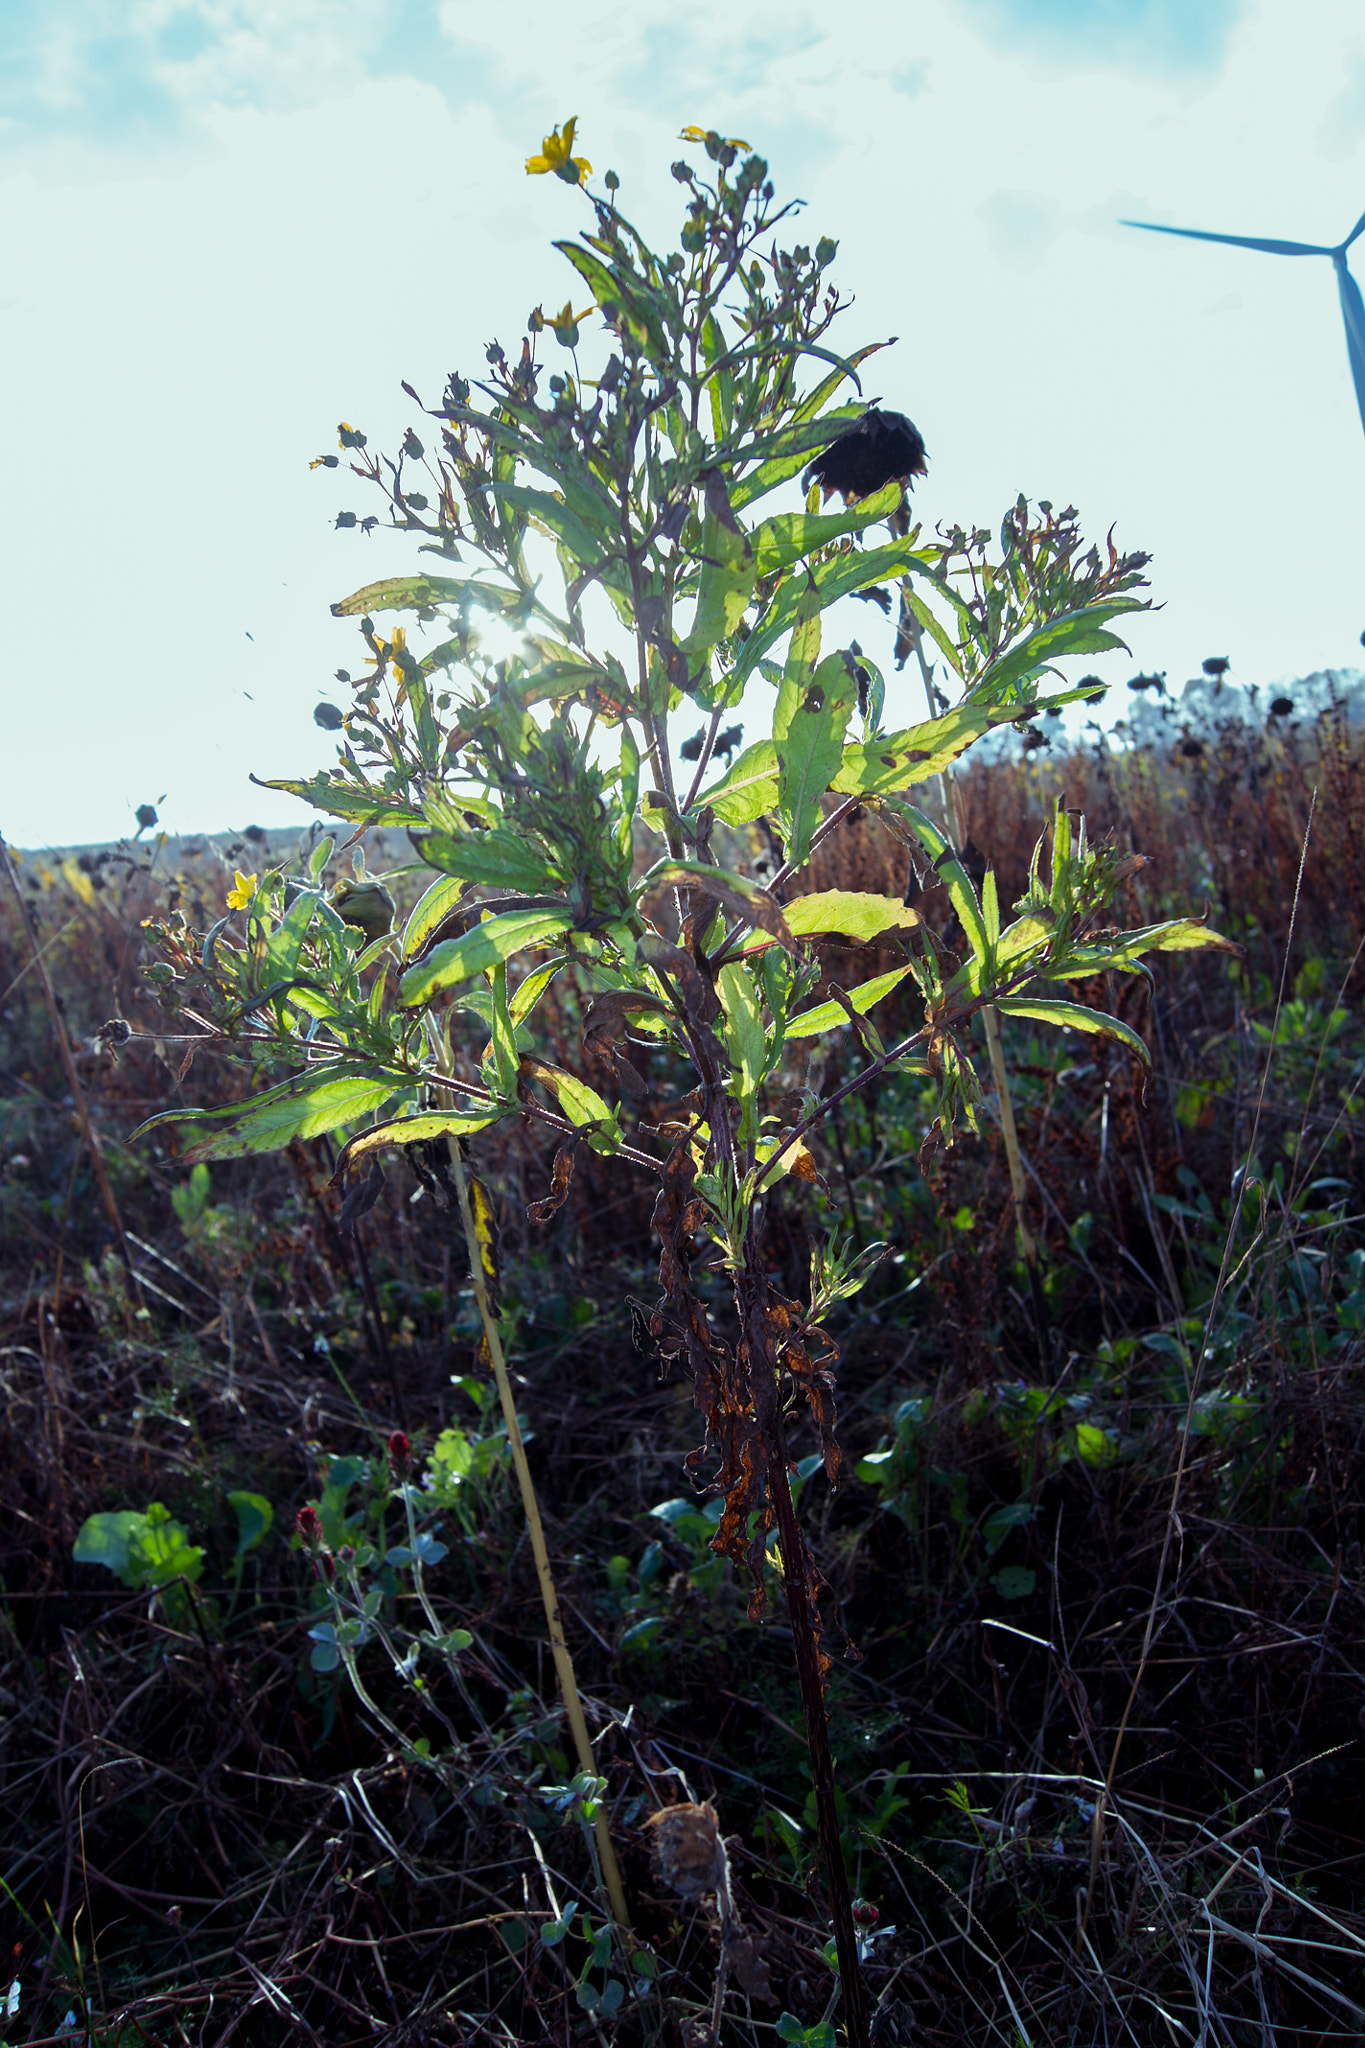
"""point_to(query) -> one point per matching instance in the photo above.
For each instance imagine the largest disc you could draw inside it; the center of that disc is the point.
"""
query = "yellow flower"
(556, 154)
(694, 134)
(240, 896)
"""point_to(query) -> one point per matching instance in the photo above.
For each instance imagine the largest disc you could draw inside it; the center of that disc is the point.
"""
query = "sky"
(225, 225)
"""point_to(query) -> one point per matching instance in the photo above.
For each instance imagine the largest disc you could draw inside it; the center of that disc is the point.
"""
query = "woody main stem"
(568, 1684)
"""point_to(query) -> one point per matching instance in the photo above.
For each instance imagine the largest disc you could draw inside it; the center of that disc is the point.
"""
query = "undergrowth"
(1090, 1793)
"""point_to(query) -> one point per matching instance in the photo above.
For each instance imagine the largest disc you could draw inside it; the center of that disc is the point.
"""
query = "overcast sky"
(228, 224)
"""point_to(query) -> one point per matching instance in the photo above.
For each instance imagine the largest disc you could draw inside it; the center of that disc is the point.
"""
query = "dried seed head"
(687, 1851)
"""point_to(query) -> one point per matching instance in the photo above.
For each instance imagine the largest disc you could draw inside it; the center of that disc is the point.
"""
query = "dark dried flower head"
(880, 448)
(1281, 707)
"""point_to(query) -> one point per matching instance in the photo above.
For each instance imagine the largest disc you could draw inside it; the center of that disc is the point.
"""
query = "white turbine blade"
(1237, 241)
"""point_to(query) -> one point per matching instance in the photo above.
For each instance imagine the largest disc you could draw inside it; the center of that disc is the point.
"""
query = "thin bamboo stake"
(568, 1683)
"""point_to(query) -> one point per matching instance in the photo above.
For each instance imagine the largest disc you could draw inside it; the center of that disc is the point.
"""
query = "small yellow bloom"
(556, 154)
(240, 896)
(694, 134)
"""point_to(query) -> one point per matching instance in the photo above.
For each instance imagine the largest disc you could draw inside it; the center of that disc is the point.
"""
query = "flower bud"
(400, 1454)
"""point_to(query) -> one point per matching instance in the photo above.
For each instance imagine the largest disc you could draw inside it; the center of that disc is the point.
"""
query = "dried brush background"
(205, 1840)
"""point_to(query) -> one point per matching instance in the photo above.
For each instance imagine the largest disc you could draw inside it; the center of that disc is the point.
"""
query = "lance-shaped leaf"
(414, 1130)
(1078, 632)
(809, 723)
(748, 788)
(496, 939)
(1077, 1017)
(827, 1016)
(790, 537)
(432, 907)
(745, 1041)
(955, 879)
(796, 598)
(582, 1105)
(628, 302)
(427, 593)
(786, 452)
(898, 760)
(724, 588)
(330, 791)
(1125, 951)
(272, 1122)
(555, 517)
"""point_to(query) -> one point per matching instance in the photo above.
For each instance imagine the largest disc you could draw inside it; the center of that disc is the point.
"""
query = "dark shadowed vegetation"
(1098, 1761)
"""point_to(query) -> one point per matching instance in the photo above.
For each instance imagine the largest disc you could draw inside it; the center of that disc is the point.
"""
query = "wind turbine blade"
(1353, 313)
(1237, 241)
(1358, 229)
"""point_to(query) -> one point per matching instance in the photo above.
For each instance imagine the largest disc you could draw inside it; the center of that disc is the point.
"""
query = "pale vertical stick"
(568, 1684)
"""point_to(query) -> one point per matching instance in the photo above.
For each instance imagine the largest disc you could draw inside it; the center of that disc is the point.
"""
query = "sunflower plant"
(644, 514)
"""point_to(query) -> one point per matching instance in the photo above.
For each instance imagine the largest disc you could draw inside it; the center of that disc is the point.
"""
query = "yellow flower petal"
(241, 894)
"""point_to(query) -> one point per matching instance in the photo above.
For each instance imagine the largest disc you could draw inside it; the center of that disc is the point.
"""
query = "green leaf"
(497, 938)
(950, 871)
(1097, 1448)
(274, 1121)
(255, 1519)
(498, 859)
(328, 791)
(1015, 1582)
(813, 708)
(745, 1040)
(1078, 632)
(532, 987)
(414, 1130)
(639, 310)
(789, 538)
(827, 1016)
(1178, 935)
(547, 510)
(748, 787)
(807, 594)
(422, 593)
(850, 913)
(899, 759)
(143, 1550)
(1077, 1017)
(107, 1540)
(431, 907)
(582, 1105)
(724, 588)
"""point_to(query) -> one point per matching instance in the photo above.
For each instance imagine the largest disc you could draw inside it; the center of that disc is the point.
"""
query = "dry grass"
(204, 1836)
